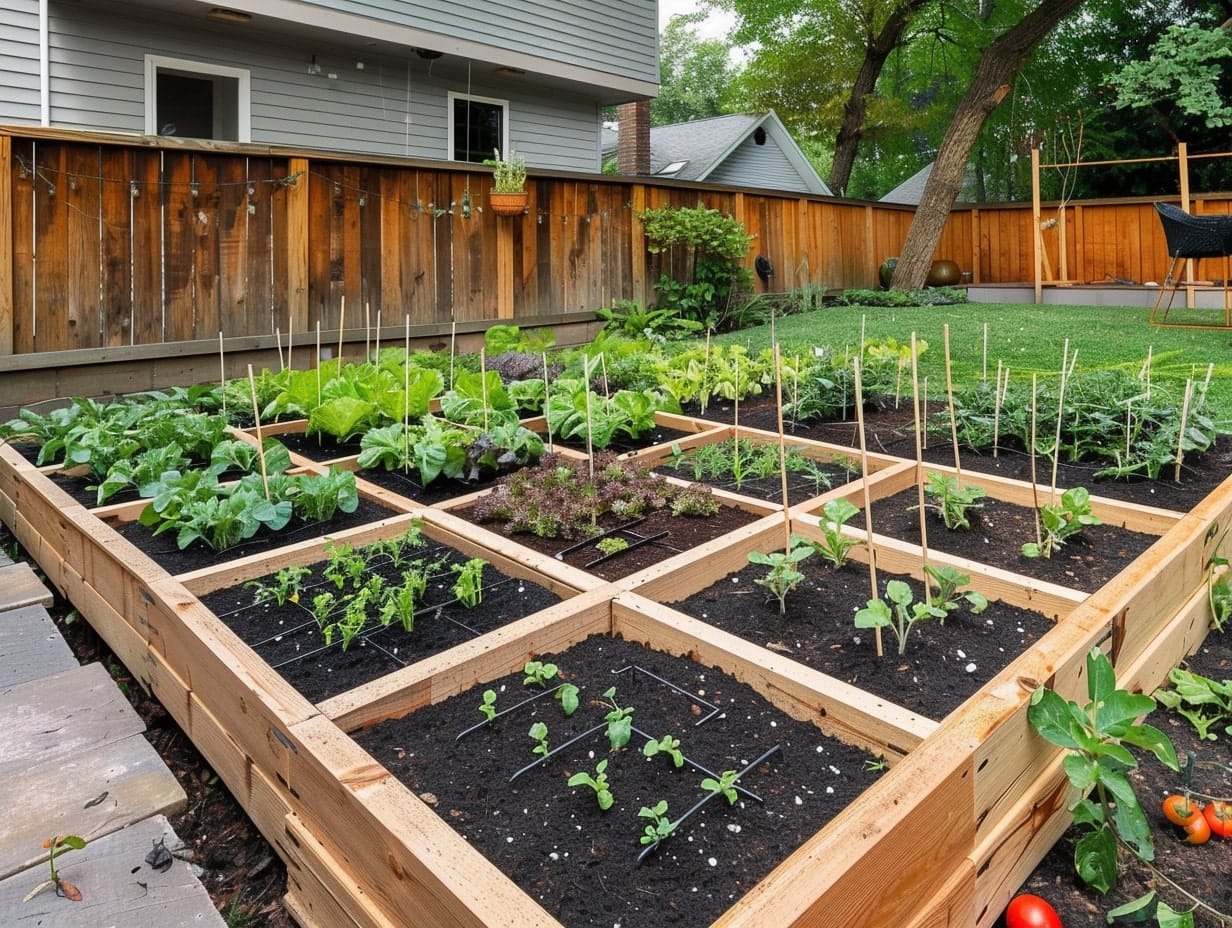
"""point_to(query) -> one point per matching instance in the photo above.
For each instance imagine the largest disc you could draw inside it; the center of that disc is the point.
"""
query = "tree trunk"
(993, 76)
(878, 49)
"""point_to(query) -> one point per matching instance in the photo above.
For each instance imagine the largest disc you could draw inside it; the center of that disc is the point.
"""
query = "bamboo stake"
(984, 366)
(778, 399)
(367, 331)
(376, 339)
(1180, 438)
(1039, 539)
(795, 390)
(868, 501)
(341, 327)
(290, 340)
(406, 401)
(997, 398)
(919, 467)
(705, 375)
(222, 375)
(587, 369)
(949, 396)
(453, 347)
(483, 385)
(318, 362)
(547, 400)
(603, 372)
(1145, 374)
(256, 418)
(926, 410)
(1056, 446)
(278, 343)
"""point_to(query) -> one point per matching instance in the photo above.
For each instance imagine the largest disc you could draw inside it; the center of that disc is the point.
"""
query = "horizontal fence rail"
(109, 241)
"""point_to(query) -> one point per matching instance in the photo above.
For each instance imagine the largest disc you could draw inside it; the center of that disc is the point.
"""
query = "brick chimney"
(633, 153)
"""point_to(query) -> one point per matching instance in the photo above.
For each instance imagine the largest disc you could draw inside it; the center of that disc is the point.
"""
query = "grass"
(1027, 338)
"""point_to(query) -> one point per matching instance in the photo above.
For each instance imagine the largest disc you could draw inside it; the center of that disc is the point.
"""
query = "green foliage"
(538, 673)
(1061, 521)
(435, 448)
(835, 547)
(508, 174)
(660, 826)
(598, 783)
(899, 614)
(949, 581)
(288, 583)
(695, 74)
(725, 785)
(539, 734)
(610, 546)
(928, 296)
(619, 720)
(567, 696)
(782, 575)
(1187, 67)
(666, 745)
(632, 319)
(1097, 738)
(1205, 702)
(468, 584)
(951, 500)
(574, 412)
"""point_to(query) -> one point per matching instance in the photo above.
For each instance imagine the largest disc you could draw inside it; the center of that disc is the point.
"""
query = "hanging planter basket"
(507, 204)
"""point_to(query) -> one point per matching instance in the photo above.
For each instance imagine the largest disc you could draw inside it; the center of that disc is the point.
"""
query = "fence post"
(6, 244)
(504, 267)
(297, 243)
(637, 243)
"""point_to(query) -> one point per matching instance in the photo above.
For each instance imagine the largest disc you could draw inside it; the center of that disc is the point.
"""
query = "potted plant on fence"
(508, 195)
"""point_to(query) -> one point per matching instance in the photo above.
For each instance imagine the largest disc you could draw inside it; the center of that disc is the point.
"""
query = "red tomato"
(1027, 911)
(1198, 831)
(1181, 810)
(1219, 816)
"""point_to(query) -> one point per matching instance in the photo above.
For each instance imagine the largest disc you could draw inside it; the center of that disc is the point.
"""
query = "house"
(742, 149)
(438, 79)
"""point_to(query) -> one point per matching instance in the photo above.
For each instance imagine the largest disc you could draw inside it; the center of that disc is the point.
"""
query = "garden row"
(338, 770)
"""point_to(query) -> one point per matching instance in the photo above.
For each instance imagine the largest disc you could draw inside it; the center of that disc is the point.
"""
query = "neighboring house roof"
(742, 149)
(910, 190)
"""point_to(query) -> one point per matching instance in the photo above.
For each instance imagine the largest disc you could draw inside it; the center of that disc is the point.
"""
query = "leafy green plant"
(1061, 521)
(487, 708)
(539, 734)
(567, 696)
(1205, 702)
(285, 588)
(782, 576)
(508, 174)
(598, 783)
(835, 547)
(538, 673)
(633, 319)
(56, 847)
(899, 615)
(317, 497)
(660, 826)
(619, 720)
(468, 584)
(948, 582)
(951, 499)
(724, 785)
(665, 745)
(612, 545)
(1097, 737)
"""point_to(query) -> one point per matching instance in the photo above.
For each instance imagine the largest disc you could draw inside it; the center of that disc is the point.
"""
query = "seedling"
(598, 783)
(567, 696)
(665, 745)
(782, 577)
(1061, 521)
(539, 734)
(836, 547)
(55, 847)
(899, 614)
(468, 586)
(947, 596)
(488, 707)
(660, 825)
(952, 500)
(612, 545)
(286, 587)
(1207, 703)
(619, 721)
(725, 784)
(538, 673)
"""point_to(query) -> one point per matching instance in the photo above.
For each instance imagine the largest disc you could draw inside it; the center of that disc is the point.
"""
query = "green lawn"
(1027, 338)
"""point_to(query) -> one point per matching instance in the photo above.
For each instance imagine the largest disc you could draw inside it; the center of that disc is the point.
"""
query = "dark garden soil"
(163, 549)
(800, 487)
(943, 663)
(580, 863)
(1203, 869)
(659, 536)
(998, 529)
(288, 638)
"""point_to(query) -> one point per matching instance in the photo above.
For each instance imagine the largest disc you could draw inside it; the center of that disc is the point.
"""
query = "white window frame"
(494, 101)
(243, 105)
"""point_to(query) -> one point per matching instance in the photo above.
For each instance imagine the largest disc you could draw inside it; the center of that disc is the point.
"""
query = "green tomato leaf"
(1095, 859)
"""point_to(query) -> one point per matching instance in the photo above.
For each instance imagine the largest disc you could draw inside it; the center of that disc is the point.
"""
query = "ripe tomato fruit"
(1181, 810)
(1218, 815)
(1198, 831)
(1028, 911)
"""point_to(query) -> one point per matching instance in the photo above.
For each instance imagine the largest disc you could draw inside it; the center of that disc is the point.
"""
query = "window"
(189, 99)
(477, 126)
(669, 170)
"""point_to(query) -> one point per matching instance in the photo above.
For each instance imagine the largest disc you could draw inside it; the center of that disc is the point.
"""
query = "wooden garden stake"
(222, 375)
(949, 397)
(1180, 438)
(587, 369)
(546, 400)
(795, 390)
(997, 397)
(483, 388)
(603, 371)
(367, 331)
(290, 340)
(868, 500)
(341, 327)
(984, 365)
(453, 347)
(1066, 369)
(318, 362)
(1039, 540)
(1145, 374)
(376, 338)
(256, 418)
(705, 375)
(282, 366)
(406, 400)
(919, 465)
(925, 438)
(778, 400)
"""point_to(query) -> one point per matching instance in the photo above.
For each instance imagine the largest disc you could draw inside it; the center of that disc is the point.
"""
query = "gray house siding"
(19, 60)
(396, 105)
(757, 166)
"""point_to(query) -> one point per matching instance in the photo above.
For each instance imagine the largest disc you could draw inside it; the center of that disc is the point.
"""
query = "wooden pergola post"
(297, 219)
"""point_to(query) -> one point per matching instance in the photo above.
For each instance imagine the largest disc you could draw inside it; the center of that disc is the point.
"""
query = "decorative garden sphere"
(943, 274)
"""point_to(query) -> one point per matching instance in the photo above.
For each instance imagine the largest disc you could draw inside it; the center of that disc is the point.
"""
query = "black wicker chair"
(1191, 237)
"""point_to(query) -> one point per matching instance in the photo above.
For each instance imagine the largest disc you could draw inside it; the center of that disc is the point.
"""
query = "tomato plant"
(1028, 911)
(1181, 810)
(1218, 815)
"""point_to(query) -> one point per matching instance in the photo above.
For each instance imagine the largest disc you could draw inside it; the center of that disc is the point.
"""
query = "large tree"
(991, 83)
(695, 74)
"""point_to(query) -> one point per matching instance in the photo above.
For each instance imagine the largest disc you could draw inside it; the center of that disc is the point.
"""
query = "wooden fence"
(109, 241)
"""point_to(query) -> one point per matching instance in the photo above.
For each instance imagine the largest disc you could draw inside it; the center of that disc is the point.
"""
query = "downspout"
(44, 66)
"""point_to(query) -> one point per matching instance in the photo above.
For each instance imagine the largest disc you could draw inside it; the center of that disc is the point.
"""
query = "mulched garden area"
(580, 863)
(944, 663)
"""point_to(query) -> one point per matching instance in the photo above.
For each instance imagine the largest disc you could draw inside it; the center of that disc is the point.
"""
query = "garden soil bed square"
(998, 530)
(580, 863)
(800, 487)
(944, 663)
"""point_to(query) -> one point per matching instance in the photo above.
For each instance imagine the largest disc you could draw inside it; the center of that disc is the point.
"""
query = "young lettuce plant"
(899, 614)
(782, 576)
(948, 581)
(468, 585)
(487, 708)
(1061, 521)
(598, 783)
(835, 547)
(619, 721)
(1097, 737)
(660, 826)
(539, 734)
(665, 745)
(951, 499)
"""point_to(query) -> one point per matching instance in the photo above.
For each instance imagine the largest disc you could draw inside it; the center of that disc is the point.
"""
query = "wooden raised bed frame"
(362, 850)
